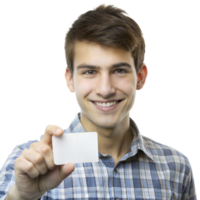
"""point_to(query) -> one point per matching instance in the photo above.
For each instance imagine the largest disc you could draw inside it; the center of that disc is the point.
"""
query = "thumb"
(66, 170)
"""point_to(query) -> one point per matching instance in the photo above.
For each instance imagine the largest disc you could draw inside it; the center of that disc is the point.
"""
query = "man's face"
(103, 74)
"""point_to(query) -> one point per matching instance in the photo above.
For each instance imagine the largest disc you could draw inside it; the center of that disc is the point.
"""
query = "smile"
(106, 106)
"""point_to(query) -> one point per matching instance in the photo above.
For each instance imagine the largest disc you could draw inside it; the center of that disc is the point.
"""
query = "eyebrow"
(121, 64)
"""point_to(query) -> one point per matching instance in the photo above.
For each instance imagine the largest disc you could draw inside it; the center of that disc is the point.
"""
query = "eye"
(86, 72)
(121, 69)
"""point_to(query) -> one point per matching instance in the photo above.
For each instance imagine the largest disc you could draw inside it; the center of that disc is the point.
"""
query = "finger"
(24, 166)
(47, 153)
(51, 130)
(37, 159)
(66, 170)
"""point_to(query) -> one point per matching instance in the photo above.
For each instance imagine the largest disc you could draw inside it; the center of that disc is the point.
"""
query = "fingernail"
(58, 130)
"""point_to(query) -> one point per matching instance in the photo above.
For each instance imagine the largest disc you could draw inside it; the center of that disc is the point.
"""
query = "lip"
(106, 109)
(100, 101)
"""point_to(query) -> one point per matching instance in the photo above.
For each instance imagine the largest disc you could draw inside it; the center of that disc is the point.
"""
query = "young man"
(105, 84)
(105, 53)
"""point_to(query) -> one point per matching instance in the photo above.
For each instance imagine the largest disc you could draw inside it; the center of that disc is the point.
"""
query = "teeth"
(106, 104)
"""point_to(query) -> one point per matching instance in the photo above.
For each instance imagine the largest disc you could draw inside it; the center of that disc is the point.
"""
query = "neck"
(114, 141)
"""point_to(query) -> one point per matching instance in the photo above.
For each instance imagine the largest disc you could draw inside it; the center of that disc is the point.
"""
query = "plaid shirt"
(149, 170)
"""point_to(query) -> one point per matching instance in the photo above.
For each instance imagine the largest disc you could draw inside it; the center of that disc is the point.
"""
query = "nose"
(105, 87)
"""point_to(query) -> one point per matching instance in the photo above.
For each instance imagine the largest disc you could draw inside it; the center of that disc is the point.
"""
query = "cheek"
(127, 86)
(83, 89)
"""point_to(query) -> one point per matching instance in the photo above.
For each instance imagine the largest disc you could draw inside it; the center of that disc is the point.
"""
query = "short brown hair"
(106, 25)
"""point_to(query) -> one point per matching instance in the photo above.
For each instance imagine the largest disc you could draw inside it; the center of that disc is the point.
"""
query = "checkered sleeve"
(7, 173)
(188, 185)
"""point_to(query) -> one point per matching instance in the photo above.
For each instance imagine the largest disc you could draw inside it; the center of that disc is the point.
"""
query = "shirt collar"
(137, 144)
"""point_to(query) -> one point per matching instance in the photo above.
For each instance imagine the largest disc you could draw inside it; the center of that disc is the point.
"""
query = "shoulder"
(9, 164)
(169, 156)
(25, 145)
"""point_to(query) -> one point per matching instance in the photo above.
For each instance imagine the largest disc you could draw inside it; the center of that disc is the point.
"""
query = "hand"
(35, 171)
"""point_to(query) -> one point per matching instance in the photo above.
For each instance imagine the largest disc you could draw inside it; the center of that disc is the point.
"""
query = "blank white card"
(75, 148)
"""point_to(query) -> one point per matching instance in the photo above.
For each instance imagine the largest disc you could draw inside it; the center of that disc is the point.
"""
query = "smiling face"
(105, 83)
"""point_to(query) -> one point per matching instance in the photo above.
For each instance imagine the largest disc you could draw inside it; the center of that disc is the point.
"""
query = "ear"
(69, 80)
(142, 75)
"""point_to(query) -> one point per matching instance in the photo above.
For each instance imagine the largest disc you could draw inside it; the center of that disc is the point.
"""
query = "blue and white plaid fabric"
(149, 170)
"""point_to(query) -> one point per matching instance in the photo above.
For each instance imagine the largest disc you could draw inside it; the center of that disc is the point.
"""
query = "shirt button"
(116, 172)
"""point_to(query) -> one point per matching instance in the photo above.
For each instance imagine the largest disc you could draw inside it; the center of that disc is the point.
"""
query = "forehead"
(96, 54)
